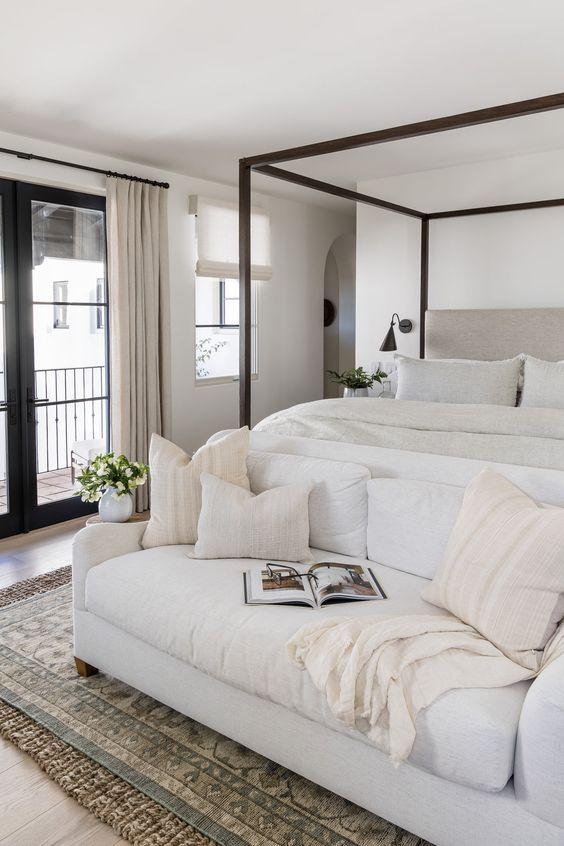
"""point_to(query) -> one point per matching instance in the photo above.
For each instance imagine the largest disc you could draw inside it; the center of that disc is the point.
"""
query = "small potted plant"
(356, 381)
(111, 481)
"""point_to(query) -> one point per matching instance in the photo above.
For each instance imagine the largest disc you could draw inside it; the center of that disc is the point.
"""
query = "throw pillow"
(544, 383)
(235, 523)
(176, 491)
(503, 570)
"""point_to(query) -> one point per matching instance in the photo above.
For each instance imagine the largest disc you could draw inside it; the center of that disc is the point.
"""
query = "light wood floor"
(34, 811)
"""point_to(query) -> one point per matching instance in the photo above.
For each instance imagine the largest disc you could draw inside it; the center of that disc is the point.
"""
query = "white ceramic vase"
(355, 392)
(113, 510)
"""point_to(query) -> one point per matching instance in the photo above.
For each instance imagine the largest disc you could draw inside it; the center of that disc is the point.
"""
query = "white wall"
(513, 259)
(290, 305)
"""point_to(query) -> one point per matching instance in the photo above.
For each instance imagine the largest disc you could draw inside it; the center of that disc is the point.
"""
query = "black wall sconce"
(389, 342)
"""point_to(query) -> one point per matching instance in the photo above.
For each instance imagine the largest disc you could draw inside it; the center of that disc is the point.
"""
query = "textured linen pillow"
(176, 491)
(503, 570)
(235, 523)
(544, 383)
(458, 380)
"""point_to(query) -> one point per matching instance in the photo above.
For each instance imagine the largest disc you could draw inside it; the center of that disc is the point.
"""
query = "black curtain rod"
(32, 156)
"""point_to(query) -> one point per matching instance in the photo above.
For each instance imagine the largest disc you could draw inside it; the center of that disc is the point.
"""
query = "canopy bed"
(464, 334)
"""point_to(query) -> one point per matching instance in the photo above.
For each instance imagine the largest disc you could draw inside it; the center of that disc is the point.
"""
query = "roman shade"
(217, 230)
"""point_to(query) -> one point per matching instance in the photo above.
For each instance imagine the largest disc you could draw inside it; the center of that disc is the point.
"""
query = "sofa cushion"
(337, 503)
(194, 610)
(409, 523)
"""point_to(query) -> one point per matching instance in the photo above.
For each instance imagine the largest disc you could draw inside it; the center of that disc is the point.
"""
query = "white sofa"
(487, 766)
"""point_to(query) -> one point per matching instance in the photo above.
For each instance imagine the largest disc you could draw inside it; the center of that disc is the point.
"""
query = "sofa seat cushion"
(194, 611)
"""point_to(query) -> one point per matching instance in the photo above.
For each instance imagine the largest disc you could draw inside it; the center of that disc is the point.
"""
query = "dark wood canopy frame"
(266, 162)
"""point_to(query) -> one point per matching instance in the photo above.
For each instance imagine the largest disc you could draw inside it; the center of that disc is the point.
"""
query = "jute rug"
(157, 777)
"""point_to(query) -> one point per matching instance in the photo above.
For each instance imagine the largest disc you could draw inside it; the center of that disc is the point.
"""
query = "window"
(60, 298)
(217, 284)
(217, 328)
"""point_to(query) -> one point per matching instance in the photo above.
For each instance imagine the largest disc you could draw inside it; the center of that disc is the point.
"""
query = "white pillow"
(235, 523)
(410, 522)
(544, 383)
(458, 380)
(176, 492)
(503, 570)
(338, 503)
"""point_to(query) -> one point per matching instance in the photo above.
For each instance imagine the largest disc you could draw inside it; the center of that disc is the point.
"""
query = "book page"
(265, 589)
(346, 581)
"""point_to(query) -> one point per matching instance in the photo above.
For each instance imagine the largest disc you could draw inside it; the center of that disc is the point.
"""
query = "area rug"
(157, 777)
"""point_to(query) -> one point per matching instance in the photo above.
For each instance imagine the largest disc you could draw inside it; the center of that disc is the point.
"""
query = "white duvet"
(527, 436)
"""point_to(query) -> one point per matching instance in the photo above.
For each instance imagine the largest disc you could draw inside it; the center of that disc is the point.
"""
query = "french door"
(54, 379)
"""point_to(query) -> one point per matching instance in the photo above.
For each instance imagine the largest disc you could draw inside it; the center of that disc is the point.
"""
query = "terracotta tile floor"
(50, 487)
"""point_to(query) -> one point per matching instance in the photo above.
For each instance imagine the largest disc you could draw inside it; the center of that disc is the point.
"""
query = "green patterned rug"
(159, 778)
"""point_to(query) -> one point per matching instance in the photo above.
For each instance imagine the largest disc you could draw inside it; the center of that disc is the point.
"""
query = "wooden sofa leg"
(84, 669)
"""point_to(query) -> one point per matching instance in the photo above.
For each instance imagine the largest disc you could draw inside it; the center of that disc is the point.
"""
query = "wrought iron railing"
(72, 408)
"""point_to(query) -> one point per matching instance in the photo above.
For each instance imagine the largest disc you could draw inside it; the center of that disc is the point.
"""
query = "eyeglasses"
(278, 576)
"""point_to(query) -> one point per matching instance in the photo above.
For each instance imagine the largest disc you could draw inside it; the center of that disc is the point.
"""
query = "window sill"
(220, 380)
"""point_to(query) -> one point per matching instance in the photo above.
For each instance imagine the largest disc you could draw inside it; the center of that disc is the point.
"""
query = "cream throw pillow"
(503, 570)
(235, 523)
(176, 491)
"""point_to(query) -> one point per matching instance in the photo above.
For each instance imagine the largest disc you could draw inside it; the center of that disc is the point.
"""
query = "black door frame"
(34, 516)
(12, 522)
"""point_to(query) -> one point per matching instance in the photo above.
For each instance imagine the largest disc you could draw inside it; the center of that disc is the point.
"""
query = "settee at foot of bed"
(487, 766)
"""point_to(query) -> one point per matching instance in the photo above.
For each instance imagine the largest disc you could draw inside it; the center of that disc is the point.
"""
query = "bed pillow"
(544, 383)
(410, 522)
(234, 523)
(176, 492)
(458, 380)
(503, 569)
(338, 502)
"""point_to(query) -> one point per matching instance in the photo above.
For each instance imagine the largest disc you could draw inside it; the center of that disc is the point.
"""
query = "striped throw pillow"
(503, 569)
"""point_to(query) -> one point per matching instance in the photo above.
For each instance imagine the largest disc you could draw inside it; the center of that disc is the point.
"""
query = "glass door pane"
(68, 400)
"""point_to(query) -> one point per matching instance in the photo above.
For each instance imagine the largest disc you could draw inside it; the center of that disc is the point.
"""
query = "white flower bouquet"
(110, 471)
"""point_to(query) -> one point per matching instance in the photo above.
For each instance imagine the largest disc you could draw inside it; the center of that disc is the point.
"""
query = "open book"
(328, 581)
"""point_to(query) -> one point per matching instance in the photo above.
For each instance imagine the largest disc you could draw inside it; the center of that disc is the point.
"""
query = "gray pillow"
(458, 380)
(544, 383)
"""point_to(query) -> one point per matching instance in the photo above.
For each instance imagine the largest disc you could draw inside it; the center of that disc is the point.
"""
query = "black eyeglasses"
(278, 576)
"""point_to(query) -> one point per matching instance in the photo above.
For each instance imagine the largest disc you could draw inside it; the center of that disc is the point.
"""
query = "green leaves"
(356, 377)
(110, 471)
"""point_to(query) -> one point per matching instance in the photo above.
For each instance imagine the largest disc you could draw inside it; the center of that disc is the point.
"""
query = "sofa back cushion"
(338, 502)
(409, 523)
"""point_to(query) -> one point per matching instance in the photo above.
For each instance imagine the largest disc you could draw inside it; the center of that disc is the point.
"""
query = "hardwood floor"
(34, 811)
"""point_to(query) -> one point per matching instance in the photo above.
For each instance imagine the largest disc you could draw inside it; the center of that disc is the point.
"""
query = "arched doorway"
(339, 291)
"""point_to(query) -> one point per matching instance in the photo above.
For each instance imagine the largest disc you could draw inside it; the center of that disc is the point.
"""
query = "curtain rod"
(32, 156)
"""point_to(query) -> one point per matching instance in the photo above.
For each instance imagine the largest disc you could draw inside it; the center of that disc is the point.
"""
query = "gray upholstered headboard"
(491, 334)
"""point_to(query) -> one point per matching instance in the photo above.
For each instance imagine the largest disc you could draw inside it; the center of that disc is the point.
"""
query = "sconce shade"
(389, 342)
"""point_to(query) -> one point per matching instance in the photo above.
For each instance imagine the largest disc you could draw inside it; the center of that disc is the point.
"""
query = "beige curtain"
(139, 318)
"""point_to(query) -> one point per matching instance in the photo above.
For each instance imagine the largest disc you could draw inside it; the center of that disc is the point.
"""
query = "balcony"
(71, 420)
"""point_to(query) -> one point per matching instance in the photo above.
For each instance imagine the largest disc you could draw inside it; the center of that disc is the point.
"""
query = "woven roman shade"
(218, 239)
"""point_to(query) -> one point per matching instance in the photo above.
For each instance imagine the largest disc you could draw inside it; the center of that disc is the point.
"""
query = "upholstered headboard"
(492, 334)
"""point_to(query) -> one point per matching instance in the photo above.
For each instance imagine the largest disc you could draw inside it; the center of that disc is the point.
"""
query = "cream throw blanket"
(377, 674)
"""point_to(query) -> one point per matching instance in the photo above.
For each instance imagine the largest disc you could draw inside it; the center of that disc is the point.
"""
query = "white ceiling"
(192, 85)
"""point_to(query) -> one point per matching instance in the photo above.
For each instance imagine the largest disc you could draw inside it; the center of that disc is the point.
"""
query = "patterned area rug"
(159, 778)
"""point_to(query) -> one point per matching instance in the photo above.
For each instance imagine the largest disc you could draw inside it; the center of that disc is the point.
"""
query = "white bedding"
(525, 436)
